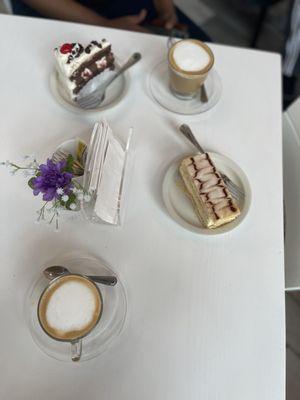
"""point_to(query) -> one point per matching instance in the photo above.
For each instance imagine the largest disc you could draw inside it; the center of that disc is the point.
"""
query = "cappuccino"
(189, 56)
(70, 307)
(189, 63)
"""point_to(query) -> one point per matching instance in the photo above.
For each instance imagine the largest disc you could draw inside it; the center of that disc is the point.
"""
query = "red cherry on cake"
(66, 48)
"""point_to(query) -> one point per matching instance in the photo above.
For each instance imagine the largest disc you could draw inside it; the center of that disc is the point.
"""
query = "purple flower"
(51, 177)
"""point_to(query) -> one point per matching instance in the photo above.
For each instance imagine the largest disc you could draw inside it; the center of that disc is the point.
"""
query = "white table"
(206, 314)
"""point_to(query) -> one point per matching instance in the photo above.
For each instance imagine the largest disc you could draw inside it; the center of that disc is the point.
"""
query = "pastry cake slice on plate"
(212, 200)
(77, 65)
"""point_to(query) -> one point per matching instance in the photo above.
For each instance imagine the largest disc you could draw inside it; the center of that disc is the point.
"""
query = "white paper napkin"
(107, 204)
(106, 162)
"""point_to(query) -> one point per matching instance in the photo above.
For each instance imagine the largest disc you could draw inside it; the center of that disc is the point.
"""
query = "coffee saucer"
(113, 95)
(112, 320)
(180, 206)
(160, 91)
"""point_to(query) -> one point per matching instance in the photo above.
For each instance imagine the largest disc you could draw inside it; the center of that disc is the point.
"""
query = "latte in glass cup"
(189, 62)
(70, 307)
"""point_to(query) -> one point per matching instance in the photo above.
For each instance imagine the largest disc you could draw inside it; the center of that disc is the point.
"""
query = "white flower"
(32, 165)
(73, 206)
(30, 161)
(60, 191)
(77, 191)
(29, 158)
(65, 197)
(87, 197)
(28, 173)
(80, 196)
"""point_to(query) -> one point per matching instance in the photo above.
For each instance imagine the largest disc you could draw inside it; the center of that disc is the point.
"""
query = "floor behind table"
(293, 345)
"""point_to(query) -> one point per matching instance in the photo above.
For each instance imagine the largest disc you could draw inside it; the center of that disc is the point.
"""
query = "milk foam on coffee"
(71, 307)
(190, 56)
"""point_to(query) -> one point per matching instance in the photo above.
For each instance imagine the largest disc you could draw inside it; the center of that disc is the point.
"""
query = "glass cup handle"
(76, 349)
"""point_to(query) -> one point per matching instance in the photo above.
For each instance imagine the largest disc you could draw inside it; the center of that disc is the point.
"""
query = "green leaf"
(30, 182)
(69, 166)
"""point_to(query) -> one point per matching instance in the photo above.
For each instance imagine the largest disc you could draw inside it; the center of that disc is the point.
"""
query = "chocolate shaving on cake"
(78, 64)
(211, 198)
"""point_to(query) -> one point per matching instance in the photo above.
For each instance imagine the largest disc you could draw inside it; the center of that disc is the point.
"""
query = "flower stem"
(56, 222)
(77, 185)
(42, 212)
(18, 167)
(52, 218)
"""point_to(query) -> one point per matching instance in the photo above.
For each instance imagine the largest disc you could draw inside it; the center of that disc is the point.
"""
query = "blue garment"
(118, 8)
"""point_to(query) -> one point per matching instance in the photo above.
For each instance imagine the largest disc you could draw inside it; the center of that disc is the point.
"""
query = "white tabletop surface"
(206, 314)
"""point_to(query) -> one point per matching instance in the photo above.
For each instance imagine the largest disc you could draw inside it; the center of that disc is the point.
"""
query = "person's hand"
(166, 14)
(169, 19)
(129, 22)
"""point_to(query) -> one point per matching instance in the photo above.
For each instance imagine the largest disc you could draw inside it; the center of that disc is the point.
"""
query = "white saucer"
(180, 206)
(109, 326)
(160, 91)
(114, 93)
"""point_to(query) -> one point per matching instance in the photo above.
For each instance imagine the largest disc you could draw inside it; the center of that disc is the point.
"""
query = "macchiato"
(70, 307)
(189, 63)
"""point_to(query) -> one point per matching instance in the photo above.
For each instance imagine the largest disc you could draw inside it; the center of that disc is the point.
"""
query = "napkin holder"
(91, 209)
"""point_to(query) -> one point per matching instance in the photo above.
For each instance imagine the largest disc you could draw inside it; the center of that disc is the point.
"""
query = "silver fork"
(60, 155)
(96, 97)
(234, 189)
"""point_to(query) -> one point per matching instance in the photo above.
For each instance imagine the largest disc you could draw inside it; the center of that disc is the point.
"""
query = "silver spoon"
(95, 98)
(55, 271)
(203, 94)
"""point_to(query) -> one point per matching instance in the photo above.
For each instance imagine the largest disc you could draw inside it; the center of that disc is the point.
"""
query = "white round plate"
(114, 93)
(109, 326)
(180, 206)
(70, 146)
(160, 90)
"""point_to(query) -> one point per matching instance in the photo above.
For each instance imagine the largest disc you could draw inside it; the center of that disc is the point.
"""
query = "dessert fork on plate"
(93, 99)
(60, 155)
(234, 189)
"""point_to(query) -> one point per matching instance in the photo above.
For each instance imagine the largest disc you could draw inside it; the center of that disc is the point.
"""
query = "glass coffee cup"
(69, 309)
(189, 62)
